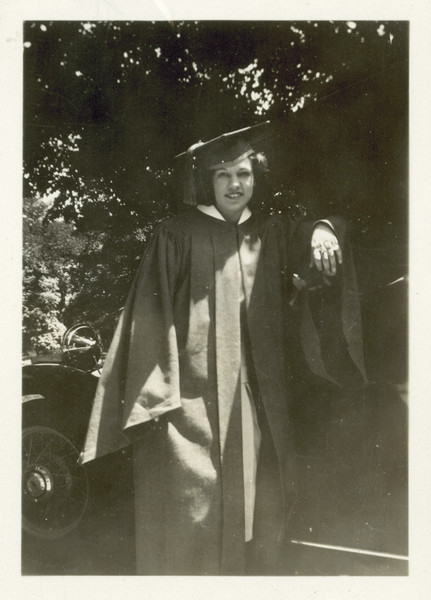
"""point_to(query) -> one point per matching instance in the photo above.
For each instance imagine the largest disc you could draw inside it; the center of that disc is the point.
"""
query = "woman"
(197, 378)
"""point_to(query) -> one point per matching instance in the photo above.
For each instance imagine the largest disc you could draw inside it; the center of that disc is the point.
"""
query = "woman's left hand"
(325, 250)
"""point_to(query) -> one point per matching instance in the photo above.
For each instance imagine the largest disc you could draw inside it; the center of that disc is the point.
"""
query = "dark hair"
(261, 190)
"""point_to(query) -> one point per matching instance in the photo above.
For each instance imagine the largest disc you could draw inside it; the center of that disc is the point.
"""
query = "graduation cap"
(225, 150)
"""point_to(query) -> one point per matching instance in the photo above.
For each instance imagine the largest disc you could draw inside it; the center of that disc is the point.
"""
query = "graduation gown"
(171, 384)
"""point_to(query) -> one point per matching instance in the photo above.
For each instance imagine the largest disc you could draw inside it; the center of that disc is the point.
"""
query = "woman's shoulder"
(178, 225)
(275, 222)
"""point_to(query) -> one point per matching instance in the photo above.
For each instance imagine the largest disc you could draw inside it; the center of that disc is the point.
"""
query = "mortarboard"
(224, 150)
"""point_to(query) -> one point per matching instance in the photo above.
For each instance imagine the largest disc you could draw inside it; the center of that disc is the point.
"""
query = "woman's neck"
(213, 211)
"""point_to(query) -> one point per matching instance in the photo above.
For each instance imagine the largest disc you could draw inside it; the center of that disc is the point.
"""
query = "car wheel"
(54, 486)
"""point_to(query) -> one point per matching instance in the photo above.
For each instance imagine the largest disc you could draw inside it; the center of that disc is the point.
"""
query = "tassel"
(189, 176)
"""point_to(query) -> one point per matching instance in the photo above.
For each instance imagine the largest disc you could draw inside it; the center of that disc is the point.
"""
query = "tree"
(49, 260)
(108, 104)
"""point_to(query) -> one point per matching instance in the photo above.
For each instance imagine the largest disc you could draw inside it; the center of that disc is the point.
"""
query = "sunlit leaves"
(50, 256)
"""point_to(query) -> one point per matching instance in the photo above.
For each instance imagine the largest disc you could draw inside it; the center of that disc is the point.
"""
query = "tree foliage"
(108, 104)
(50, 259)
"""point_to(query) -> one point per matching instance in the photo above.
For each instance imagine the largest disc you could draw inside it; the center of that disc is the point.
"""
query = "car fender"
(58, 396)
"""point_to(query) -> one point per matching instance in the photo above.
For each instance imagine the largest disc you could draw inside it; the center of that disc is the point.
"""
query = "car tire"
(55, 488)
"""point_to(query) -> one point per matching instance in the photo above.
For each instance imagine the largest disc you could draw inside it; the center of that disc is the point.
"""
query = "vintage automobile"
(57, 396)
(352, 450)
(351, 516)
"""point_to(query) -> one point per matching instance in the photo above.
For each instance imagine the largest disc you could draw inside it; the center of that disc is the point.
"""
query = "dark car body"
(57, 393)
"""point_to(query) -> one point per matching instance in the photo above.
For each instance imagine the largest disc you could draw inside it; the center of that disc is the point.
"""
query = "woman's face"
(233, 189)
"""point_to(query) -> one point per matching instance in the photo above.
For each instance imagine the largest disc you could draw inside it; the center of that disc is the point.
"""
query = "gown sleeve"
(330, 331)
(140, 376)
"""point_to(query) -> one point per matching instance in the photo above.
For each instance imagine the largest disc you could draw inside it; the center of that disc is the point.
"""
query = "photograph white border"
(417, 584)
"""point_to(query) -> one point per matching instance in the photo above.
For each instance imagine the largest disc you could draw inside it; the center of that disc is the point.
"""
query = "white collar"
(212, 211)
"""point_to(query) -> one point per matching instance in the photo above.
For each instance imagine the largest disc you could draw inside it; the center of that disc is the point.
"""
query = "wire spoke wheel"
(54, 487)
